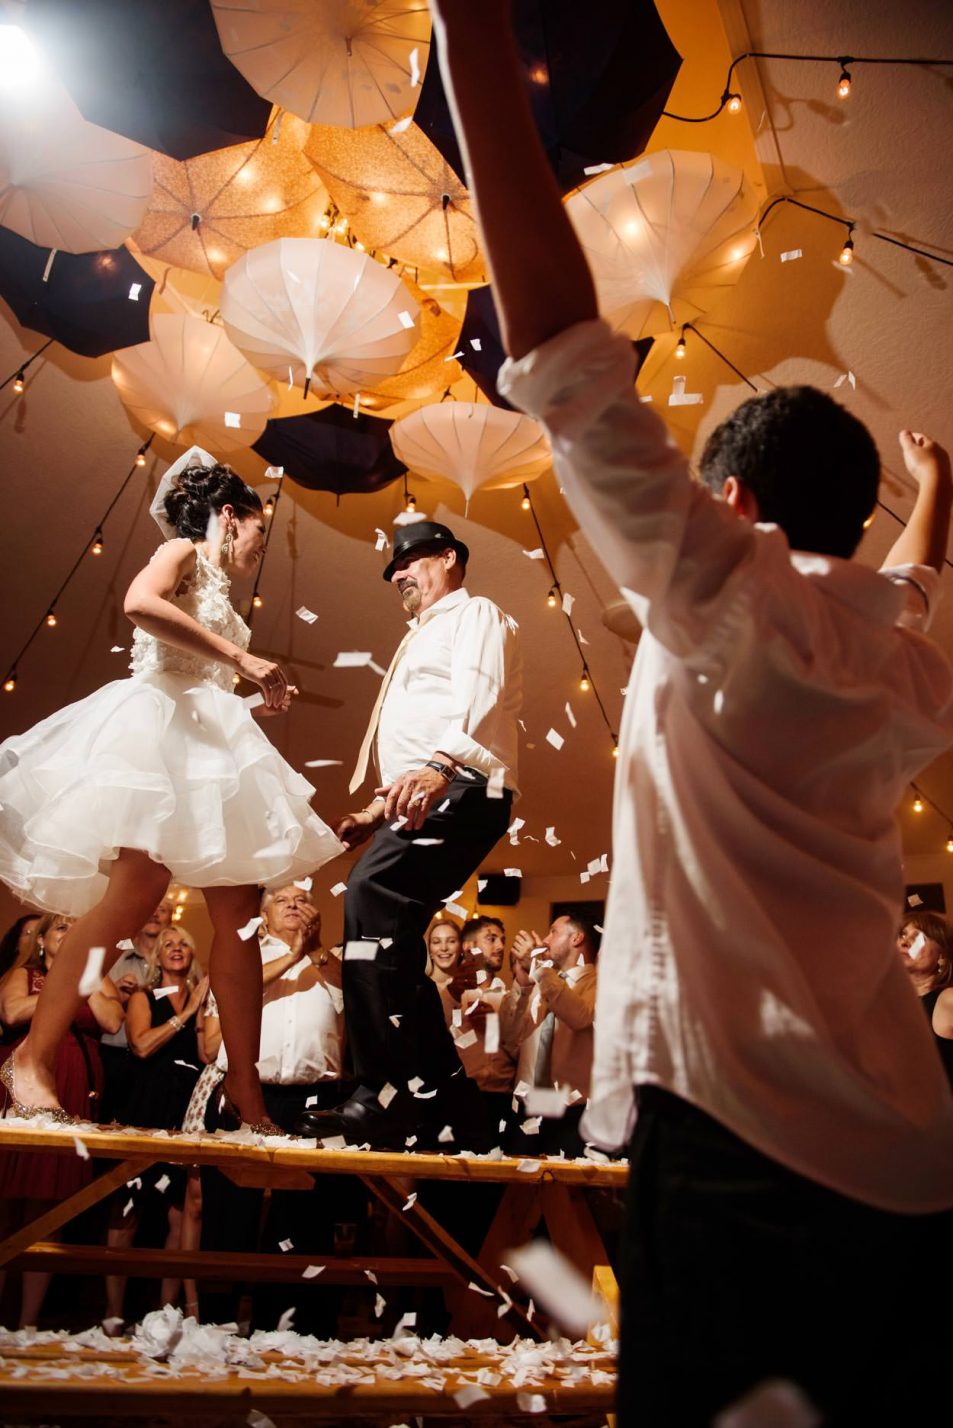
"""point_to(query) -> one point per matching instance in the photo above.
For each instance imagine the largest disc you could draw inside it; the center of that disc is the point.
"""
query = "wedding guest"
(925, 941)
(131, 971)
(31, 1181)
(15, 945)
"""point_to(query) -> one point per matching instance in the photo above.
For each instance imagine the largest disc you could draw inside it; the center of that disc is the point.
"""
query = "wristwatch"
(443, 769)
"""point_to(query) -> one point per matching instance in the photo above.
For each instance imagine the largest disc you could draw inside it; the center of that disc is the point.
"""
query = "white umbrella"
(663, 235)
(347, 62)
(66, 183)
(310, 310)
(472, 444)
(190, 385)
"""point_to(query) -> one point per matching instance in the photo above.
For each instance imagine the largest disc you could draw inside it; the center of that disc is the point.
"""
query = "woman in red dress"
(32, 1181)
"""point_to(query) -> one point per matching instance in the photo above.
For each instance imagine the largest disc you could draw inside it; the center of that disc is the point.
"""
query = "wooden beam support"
(68, 1209)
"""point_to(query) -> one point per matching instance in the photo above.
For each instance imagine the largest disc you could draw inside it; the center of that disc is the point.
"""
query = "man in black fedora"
(443, 736)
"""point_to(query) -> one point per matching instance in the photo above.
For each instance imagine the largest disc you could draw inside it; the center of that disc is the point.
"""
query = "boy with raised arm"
(792, 1130)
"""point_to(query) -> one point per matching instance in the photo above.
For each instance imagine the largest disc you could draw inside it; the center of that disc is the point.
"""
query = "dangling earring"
(227, 546)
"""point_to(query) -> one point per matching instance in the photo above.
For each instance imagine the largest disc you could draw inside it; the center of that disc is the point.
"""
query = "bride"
(164, 774)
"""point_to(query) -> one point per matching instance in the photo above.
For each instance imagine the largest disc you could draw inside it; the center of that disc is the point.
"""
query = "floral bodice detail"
(203, 595)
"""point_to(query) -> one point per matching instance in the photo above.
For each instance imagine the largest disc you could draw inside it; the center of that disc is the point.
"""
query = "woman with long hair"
(163, 774)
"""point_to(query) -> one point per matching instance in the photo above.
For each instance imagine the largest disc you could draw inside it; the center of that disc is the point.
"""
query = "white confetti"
(454, 355)
(791, 255)
(305, 884)
(531, 1125)
(357, 404)
(558, 1285)
(537, 554)
(285, 1245)
(411, 1200)
(92, 976)
(584, 877)
(163, 1183)
(80, 1147)
(494, 784)
(116, 649)
(401, 126)
(511, 1272)
(491, 1033)
(323, 763)
(478, 1289)
(469, 1038)
(476, 344)
(512, 872)
(159, 992)
(380, 1304)
(849, 377)
(405, 319)
(598, 169)
(134, 290)
(233, 419)
(334, 1142)
(406, 1321)
(469, 1394)
(274, 473)
(398, 823)
(528, 1167)
(360, 949)
(128, 1208)
(446, 1135)
(408, 518)
(303, 613)
(531, 1402)
(428, 842)
(570, 715)
(382, 543)
(457, 910)
(914, 900)
(352, 659)
(250, 928)
(256, 1419)
(286, 1320)
(515, 827)
(547, 1102)
(338, 889)
(414, 60)
(568, 602)
(252, 701)
(386, 1094)
(410, 1141)
(917, 945)
(313, 1270)
(395, 1019)
(555, 739)
(481, 884)
(678, 397)
(551, 838)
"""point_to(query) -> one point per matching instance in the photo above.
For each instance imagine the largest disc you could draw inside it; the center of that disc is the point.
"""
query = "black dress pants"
(736, 1271)
(395, 1023)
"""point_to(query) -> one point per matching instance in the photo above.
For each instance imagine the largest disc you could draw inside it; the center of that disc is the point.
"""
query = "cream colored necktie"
(360, 769)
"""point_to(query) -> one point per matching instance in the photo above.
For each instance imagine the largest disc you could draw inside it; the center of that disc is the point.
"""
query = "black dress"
(161, 1089)
(944, 1044)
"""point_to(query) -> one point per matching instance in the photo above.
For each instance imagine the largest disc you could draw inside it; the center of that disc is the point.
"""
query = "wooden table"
(536, 1190)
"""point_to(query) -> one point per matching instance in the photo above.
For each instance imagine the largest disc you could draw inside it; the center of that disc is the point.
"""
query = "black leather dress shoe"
(362, 1121)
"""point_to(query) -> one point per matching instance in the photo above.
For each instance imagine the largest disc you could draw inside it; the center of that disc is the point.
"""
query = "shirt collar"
(446, 602)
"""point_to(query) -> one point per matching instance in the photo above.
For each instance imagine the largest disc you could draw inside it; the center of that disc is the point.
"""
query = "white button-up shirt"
(457, 687)
(775, 715)
(302, 1021)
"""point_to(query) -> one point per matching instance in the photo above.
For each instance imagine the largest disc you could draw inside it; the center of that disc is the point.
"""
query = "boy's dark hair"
(812, 467)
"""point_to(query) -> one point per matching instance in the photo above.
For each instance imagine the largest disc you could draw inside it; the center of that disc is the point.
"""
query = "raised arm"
(924, 539)
(541, 280)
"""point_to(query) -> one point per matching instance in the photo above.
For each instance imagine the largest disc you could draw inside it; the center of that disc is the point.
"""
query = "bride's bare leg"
(136, 884)
(235, 972)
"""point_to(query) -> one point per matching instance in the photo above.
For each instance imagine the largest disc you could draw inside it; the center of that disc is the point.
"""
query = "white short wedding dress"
(169, 761)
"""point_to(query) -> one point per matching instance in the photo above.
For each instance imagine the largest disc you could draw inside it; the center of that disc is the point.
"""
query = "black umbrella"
(483, 361)
(91, 303)
(599, 73)
(150, 69)
(332, 450)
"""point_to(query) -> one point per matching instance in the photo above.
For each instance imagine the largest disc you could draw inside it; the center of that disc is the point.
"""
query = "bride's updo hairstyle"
(199, 492)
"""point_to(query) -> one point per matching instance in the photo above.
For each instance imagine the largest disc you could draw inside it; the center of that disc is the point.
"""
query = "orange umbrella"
(348, 62)
(401, 197)
(206, 212)
(429, 367)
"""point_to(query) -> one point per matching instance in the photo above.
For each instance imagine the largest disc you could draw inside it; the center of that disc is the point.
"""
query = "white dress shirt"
(302, 1021)
(457, 687)
(130, 964)
(776, 712)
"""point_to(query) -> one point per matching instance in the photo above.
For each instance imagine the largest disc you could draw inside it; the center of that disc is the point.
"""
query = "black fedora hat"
(421, 533)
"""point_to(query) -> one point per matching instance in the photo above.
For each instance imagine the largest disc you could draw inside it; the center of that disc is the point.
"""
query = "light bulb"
(51, 618)
(918, 804)
(97, 546)
(615, 751)
(949, 844)
(410, 503)
(846, 255)
(235, 678)
(551, 599)
(734, 104)
(584, 683)
(257, 601)
(141, 456)
(270, 506)
(10, 683)
(680, 347)
(526, 504)
(843, 84)
(18, 383)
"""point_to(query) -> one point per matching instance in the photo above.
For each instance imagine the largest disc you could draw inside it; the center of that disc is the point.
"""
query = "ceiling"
(881, 157)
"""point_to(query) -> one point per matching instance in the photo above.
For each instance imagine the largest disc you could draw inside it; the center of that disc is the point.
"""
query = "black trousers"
(736, 1270)
(393, 892)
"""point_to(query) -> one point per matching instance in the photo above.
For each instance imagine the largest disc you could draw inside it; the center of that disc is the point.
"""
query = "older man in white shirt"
(444, 736)
(792, 1163)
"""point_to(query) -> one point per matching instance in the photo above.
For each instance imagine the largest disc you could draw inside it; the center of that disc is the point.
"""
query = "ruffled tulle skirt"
(161, 763)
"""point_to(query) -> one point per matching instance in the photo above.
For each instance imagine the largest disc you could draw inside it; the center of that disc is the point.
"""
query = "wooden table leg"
(571, 1226)
(68, 1209)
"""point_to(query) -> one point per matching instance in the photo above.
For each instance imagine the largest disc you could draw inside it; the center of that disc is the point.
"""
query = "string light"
(843, 84)
(733, 104)
(918, 804)
(551, 599)
(18, 382)
(10, 683)
(846, 255)
(270, 506)
(585, 683)
(949, 842)
(257, 602)
(526, 503)
(97, 546)
(680, 347)
(615, 751)
(850, 225)
(141, 454)
(51, 618)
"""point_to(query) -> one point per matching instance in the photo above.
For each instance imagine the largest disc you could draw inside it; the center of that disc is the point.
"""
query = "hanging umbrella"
(332, 451)
(150, 69)
(401, 197)
(598, 76)
(314, 311)
(179, 290)
(91, 303)
(430, 366)
(191, 386)
(206, 212)
(663, 236)
(348, 62)
(66, 183)
(472, 445)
